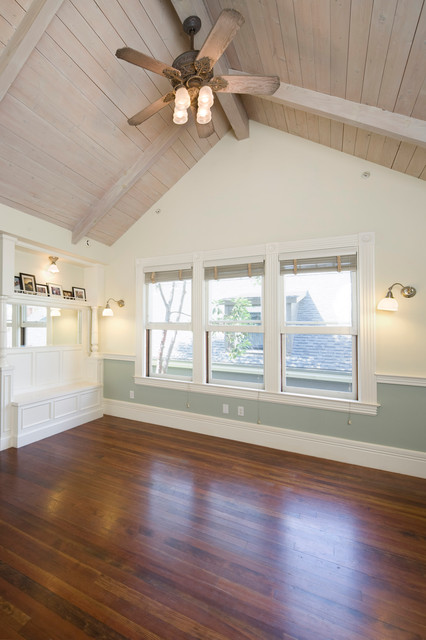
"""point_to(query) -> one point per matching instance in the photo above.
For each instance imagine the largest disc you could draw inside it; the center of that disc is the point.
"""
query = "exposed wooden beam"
(231, 103)
(23, 41)
(364, 116)
(126, 182)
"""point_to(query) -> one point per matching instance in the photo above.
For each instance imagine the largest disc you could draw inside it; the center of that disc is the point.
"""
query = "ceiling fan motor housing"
(194, 73)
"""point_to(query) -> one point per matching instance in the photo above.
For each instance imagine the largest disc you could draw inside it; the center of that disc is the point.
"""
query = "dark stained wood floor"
(119, 529)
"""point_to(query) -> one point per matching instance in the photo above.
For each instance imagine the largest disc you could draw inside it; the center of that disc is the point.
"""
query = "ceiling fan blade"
(146, 62)
(205, 130)
(149, 111)
(260, 85)
(220, 36)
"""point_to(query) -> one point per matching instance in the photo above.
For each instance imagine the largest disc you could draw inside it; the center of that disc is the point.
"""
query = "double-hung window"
(289, 322)
(234, 331)
(319, 325)
(169, 341)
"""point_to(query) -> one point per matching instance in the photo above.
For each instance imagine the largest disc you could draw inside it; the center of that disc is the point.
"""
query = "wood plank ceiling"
(353, 76)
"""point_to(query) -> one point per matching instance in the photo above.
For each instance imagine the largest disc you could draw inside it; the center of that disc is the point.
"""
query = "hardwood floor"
(122, 530)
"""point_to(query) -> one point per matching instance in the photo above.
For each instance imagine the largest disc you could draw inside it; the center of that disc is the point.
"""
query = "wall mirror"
(38, 326)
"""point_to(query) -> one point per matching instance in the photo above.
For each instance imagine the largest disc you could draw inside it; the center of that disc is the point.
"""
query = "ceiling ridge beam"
(126, 182)
(375, 119)
(231, 103)
(24, 40)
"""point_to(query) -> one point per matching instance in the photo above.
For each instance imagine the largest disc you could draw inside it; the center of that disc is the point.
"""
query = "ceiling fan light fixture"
(205, 97)
(182, 98)
(204, 115)
(180, 116)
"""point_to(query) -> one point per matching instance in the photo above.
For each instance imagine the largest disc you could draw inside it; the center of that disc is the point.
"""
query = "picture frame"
(55, 290)
(79, 293)
(41, 289)
(28, 283)
(16, 283)
(67, 294)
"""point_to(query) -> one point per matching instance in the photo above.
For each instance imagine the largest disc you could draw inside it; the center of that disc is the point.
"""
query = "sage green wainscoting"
(400, 421)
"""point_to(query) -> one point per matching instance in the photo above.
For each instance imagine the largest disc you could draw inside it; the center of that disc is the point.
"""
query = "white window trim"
(362, 243)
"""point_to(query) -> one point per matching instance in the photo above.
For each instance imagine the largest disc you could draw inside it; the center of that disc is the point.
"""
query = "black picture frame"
(28, 282)
(67, 294)
(16, 283)
(79, 293)
(41, 289)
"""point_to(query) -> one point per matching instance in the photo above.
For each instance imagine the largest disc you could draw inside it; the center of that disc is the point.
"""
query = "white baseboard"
(365, 454)
(55, 427)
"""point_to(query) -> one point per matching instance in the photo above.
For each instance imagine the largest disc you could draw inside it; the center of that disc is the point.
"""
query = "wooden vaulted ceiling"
(353, 77)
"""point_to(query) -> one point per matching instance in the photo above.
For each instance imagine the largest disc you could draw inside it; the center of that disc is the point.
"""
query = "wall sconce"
(55, 312)
(388, 303)
(53, 267)
(108, 311)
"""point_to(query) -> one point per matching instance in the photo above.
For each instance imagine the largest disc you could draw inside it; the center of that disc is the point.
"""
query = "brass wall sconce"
(107, 310)
(388, 303)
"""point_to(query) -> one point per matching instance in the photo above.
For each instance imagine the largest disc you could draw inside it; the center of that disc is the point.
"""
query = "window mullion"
(198, 315)
(272, 303)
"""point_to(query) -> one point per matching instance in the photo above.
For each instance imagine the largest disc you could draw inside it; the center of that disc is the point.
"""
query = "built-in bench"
(45, 412)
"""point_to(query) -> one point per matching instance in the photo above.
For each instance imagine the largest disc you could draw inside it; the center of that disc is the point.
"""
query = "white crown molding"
(408, 381)
(349, 451)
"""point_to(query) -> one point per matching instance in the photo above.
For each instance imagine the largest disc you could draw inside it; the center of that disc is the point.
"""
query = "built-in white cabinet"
(50, 370)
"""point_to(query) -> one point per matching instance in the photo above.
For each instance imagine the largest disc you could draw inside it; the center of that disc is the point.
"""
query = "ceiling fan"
(191, 74)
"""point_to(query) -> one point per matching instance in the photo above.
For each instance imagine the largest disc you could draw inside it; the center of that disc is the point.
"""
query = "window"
(234, 328)
(169, 328)
(290, 323)
(319, 327)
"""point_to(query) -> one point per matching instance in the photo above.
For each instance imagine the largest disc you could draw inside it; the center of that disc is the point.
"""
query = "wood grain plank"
(380, 32)
(24, 39)
(358, 43)
(120, 529)
(414, 79)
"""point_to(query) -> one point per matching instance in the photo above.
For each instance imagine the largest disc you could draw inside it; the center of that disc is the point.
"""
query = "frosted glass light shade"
(388, 303)
(180, 116)
(55, 312)
(107, 311)
(205, 97)
(204, 115)
(182, 98)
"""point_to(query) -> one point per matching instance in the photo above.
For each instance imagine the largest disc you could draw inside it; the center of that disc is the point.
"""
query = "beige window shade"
(316, 265)
(247, 270)
(152, 277)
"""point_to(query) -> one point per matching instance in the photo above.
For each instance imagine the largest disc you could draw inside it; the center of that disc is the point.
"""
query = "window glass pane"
(33, 314)
(170, 301)
(9, 312)
(236, 357)
(323, 299)
(235, 301)
(35, 336)
(171, 353)
(319, 362)
(9, 337)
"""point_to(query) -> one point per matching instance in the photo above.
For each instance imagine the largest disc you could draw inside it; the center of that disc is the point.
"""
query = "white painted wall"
(277, 187)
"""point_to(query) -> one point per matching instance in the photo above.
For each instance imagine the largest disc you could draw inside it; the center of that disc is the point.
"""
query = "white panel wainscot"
(47, 367)
(42, 414)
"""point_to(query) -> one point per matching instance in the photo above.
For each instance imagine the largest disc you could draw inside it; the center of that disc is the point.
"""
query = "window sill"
(299, 400)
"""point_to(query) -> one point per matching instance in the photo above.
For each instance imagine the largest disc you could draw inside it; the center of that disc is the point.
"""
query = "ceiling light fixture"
(388, 303)
(53, 267)
(107, 310)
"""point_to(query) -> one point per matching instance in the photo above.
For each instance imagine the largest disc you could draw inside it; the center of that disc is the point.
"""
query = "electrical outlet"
(240, 411)
(225, 408)
(131, 394)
